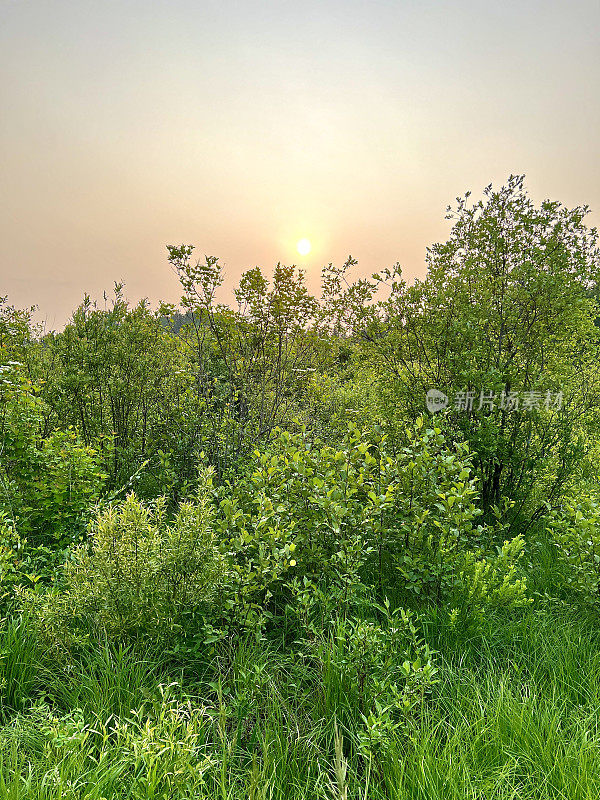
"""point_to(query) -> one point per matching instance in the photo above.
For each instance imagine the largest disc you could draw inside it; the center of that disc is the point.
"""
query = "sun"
(303, 247)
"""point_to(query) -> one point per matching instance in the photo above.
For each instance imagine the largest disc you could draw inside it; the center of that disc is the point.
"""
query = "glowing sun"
(303, 247)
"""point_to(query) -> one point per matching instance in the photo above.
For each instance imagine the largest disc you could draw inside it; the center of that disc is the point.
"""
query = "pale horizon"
(242, 128)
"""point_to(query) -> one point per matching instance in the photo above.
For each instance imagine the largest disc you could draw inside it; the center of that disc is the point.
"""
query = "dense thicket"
(274, 549)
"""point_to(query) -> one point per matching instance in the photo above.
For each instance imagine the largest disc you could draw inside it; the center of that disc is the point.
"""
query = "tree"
(251, 362)
(505, 315)
(118, 376)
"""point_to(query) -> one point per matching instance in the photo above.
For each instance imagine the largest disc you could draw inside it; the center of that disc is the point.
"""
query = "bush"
(488, 582)
(10, 547)
(47, 482)
(364, 515)
(139, 573)
(382, 669)
(575, 531)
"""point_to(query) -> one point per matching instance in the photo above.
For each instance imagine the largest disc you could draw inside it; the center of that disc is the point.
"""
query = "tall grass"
(515, 715)
(20, 666)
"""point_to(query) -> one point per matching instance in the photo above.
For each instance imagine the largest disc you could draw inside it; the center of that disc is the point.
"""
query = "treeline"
(300, 469)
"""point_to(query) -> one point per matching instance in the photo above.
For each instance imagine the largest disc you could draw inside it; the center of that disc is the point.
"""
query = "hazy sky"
(242, 127)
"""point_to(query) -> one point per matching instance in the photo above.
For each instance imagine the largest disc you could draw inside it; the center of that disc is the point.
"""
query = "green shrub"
(48, 483)
(10, 547)
(362, 515)
(575, 531)
(139, 573)
(377, 672)
(486, 582)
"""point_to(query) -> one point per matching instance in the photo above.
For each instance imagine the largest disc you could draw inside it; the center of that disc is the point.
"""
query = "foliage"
(315, 591)
(337, 520)
(139, 573)
(506, 309)
(17, 333)
(384, 666)
(47, 483)
(575, 530)
(512, 713)
(118, 377)
(253, 362)
(489, 582)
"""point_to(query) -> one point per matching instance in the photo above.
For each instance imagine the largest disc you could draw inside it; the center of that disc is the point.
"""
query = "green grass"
(20, 666)
(514, 715)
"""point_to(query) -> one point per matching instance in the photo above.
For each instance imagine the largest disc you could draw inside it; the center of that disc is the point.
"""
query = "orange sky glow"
(244, 127)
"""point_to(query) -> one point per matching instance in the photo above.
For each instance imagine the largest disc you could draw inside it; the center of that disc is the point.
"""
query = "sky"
(242, 127)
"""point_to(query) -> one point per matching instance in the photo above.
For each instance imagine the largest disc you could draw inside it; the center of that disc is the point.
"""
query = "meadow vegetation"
(240, 558)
